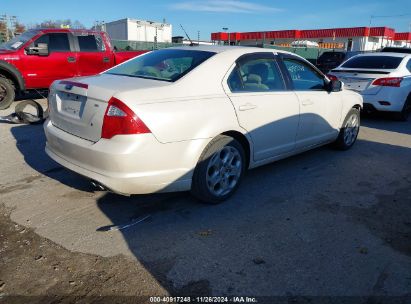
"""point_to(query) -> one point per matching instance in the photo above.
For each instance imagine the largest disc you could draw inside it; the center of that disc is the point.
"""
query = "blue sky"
(209, 16)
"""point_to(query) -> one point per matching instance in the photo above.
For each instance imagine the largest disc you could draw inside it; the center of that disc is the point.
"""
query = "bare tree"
(3, 32)
(78, 25)
(19, 28)
(58, 24)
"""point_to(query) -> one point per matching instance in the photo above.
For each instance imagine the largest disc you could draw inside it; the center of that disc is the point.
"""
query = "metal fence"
(128, 45)
(310, 54)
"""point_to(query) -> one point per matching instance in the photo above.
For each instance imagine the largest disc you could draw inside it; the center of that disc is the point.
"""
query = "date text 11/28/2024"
(203, 300)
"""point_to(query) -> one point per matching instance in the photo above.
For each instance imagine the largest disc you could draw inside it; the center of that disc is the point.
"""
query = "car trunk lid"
(78, 105)
(360, 80)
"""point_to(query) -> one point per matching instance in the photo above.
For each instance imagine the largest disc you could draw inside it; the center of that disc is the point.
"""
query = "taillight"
(388, 82)
(120, 120)
(332, 77)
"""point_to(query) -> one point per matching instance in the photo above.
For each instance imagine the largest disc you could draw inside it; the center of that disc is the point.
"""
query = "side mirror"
(334, 86)
(42, 49)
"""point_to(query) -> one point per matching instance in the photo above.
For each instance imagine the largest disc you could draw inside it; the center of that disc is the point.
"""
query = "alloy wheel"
(224, 171)
(351, 129)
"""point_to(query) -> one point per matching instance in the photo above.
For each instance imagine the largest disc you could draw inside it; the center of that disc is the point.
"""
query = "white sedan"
(383, 79)
(195, 118)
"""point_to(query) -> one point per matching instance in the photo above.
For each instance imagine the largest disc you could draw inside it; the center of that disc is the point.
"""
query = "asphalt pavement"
(323, 223)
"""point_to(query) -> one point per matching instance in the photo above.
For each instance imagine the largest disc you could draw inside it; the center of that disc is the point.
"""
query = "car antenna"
(188, 37)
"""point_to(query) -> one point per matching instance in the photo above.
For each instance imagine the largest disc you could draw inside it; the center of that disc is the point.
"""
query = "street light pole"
(226, 30)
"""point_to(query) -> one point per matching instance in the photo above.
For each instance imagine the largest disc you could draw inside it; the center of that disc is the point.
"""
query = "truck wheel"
(219, 170)
(7, 93)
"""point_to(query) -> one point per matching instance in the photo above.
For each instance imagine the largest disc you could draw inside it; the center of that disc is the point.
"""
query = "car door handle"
(247, 107)
(307, 102)
(106, 59)
(71, 59)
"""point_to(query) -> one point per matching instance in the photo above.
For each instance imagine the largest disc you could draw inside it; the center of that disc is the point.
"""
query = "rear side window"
(90, 43)
(373, 62)
(166, 65)
(57, 42)
(254, 74)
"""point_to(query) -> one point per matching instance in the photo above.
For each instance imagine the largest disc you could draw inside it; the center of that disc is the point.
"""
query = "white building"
(139, 30)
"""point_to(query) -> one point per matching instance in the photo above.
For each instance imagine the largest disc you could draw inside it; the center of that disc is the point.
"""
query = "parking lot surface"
(323, 223)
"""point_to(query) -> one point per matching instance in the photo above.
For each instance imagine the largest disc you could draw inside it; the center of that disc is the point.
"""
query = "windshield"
(18, 41)
(166, 65)
(373, 62)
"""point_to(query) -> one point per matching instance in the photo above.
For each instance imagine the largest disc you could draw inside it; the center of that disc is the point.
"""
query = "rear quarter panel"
(196, 118)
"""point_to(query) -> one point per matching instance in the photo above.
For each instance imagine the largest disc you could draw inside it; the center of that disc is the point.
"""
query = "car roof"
(62, 30)
(227, 48)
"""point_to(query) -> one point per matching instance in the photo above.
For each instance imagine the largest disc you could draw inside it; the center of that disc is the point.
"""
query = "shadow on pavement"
(294, 227)
(30, 141)
(385, 121)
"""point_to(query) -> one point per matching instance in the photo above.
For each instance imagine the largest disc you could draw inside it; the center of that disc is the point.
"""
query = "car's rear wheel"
(406, 110)
(7, 93)
(219, 170)
(349, 131)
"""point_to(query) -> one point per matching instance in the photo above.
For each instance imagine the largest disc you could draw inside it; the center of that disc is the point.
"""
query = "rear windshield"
(166, 65)
(396, 50)
(373, 62)
(331, 56)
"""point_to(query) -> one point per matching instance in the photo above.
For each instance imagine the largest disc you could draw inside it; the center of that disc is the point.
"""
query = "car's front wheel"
(219, 170)
(349, 130)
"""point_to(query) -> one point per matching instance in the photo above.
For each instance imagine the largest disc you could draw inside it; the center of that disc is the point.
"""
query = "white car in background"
(383, 79)
(195, 118)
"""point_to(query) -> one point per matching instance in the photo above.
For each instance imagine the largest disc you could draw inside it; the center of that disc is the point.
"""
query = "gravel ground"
(322, 224)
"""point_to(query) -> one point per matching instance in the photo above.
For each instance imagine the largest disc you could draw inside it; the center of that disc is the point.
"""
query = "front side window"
(255, 74)
(304, 77)
(166, 65)
(90, 43)
(57, 42)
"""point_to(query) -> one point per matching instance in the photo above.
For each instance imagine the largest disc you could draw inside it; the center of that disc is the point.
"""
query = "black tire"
(406, 110)
(341, 143)
(200, 187)
(7, 93)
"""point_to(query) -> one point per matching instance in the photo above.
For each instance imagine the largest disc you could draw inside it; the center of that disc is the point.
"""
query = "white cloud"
(223, 6)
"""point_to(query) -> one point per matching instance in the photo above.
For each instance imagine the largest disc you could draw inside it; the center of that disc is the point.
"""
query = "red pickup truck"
(34, 59)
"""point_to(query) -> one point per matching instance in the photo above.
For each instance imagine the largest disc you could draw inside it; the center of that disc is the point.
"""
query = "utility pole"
(100, 25)
(198, 37)
(226, 30)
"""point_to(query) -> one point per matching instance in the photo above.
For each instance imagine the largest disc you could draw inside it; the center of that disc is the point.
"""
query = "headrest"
(253, 78)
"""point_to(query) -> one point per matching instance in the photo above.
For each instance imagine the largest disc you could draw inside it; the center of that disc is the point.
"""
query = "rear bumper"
(130, 164)
(395, 96)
